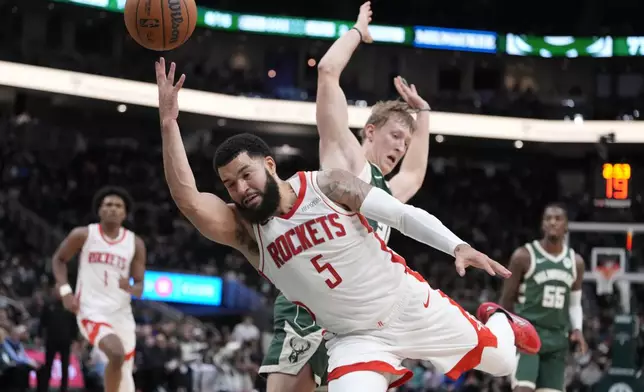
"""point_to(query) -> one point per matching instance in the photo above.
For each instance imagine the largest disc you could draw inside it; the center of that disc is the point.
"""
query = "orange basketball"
(160, 24)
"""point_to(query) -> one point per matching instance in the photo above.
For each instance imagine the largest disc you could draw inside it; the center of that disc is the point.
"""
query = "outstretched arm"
(339, 148)
(208, 213)
(355, 195)
(411, 175)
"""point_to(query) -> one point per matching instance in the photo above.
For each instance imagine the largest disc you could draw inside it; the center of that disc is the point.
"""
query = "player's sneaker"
(526, 337)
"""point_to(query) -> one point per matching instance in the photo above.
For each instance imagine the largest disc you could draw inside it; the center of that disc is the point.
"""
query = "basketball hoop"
(608, 264)
(606, 276)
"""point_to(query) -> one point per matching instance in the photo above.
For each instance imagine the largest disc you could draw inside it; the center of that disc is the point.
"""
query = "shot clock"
(613, 185)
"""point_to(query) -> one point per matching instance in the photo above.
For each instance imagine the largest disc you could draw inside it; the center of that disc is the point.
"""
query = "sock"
(500, 360)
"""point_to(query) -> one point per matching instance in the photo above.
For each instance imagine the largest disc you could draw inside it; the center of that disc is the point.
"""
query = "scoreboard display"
(613, 185)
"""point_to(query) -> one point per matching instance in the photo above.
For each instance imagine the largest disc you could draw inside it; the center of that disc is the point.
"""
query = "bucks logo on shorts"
(299, 346)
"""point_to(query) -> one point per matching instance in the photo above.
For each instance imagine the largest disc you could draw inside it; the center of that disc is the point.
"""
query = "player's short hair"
(109, 190)
(382, 111)
(558, 205)
(232, 147)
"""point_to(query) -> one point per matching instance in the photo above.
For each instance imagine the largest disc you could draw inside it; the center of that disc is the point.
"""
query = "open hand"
(364, 18)
(168, 90)
(409, 94)
(466, 256)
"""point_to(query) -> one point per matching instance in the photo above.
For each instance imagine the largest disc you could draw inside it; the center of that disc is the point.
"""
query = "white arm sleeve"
(575, 311)
(411, 221)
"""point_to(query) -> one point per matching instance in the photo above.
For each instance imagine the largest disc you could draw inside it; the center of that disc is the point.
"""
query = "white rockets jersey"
(102, 262)
(330, 262)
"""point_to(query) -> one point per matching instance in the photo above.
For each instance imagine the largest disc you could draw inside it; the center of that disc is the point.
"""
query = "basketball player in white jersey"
(390, 134)
(109, 256)
(309, 236)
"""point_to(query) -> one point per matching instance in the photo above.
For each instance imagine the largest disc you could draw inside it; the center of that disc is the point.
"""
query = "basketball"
(160, 24)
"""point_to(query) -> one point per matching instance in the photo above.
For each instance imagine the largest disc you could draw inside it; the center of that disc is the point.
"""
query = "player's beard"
(266, 209)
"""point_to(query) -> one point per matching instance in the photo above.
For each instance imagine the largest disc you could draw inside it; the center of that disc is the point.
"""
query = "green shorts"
(297, 340)
(543, 370)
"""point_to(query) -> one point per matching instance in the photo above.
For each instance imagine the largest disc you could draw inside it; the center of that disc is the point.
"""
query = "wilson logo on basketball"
(177, 19)
(160, 24)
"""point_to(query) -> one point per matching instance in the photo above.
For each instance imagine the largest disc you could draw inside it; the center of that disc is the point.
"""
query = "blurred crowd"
(486, 200)
(172, 355)
(75, 38)
(49, 172)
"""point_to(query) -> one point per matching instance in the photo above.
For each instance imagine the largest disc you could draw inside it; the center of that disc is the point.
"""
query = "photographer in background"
(58, 329)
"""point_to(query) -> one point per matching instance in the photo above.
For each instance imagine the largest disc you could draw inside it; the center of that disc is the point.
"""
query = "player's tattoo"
(343, 188)
(243, 237)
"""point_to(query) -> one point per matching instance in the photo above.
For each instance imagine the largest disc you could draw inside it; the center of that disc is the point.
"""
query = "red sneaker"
(526, 337)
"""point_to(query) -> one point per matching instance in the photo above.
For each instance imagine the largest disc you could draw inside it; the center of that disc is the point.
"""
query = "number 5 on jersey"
(554, 297)
(337, 279)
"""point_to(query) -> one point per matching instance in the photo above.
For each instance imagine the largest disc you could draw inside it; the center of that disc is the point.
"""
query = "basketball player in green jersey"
(545, 289)
(297, 360)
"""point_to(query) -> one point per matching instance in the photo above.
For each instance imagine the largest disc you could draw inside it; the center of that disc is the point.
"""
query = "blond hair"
(397, 110)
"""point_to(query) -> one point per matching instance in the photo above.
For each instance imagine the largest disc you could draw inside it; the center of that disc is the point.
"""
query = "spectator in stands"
(179, 373)
(58, 329)
(17, 376)
(5, 361)
(230, 378)
(156, 359)
(245, 331)
(471, 383)
(192, 344)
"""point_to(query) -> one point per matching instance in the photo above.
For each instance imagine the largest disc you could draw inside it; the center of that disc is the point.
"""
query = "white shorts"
(95, 327)
(429, 326)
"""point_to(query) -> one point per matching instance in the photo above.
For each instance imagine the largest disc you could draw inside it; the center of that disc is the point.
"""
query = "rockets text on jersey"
(330, 262)
(102, 262)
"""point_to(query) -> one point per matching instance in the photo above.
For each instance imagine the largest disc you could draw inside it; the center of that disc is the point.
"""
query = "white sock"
(499, 324)
(500, 360)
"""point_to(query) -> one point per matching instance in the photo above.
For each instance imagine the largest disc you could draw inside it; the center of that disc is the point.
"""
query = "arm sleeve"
(411, 221)
(575, 310)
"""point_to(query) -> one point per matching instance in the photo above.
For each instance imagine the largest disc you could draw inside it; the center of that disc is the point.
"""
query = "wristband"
(359, 32)
(65, 290)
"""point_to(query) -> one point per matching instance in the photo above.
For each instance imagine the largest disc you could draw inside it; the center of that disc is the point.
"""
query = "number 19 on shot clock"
(615, 189)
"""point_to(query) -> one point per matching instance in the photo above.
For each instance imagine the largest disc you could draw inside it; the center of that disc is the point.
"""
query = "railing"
(38, 232)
